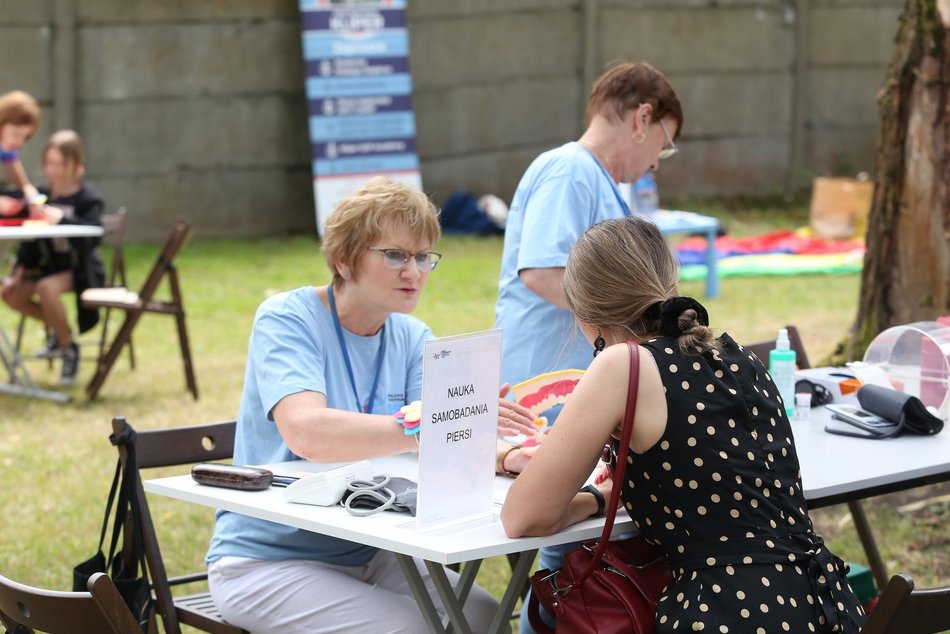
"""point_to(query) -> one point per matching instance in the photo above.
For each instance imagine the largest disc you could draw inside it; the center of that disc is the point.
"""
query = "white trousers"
(305, 597)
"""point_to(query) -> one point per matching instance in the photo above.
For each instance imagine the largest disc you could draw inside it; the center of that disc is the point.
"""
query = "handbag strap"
(126, 523)
(621, 466)
(112, 490)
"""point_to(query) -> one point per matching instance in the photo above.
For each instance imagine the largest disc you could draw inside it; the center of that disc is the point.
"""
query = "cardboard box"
(840, 207)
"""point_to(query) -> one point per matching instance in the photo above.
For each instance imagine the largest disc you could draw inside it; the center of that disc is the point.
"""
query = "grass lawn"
(57, 461)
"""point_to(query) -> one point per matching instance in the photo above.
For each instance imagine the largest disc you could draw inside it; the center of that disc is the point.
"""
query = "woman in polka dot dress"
(713, 477)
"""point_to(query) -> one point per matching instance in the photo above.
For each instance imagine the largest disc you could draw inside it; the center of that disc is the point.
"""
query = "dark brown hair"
(626, 86)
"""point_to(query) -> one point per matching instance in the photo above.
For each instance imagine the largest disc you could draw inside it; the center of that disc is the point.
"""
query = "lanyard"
(623, 203)
(346, 357)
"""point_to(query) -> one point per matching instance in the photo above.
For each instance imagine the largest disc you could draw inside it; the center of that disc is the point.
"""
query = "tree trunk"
(906, 276)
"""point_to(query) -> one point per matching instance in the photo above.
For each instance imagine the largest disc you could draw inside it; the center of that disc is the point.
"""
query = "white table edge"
(432, 546)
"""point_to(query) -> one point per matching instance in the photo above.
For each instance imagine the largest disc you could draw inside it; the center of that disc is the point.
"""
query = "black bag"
(907, 412)
(123, 566)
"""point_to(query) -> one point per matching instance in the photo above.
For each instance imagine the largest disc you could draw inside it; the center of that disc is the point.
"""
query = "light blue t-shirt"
(564, 192)
(294, 348)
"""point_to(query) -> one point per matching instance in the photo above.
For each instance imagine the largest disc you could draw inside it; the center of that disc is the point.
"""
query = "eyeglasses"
(397, 258)
(668, 150)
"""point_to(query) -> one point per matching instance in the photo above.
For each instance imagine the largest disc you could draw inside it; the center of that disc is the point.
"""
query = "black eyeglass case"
(232, 476)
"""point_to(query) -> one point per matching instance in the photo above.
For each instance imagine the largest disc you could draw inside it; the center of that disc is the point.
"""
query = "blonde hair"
(626, 86)
(376, 208)
(617, 276)
(19, 108)
(70, 145)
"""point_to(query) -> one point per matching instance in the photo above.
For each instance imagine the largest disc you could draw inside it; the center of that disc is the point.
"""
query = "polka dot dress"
(721, 493)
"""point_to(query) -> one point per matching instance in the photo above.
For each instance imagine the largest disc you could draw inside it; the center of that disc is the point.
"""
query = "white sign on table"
(459, 426)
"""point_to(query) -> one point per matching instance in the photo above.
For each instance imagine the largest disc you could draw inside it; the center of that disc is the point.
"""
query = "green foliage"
(58, 463)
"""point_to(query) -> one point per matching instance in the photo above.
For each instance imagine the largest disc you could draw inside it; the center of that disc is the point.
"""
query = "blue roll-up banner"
(359, 97)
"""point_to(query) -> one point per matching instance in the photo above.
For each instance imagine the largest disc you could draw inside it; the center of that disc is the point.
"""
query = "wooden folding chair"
(904, 610)
(101, 610)
(861, 524)
(137, 304)
(165, 448)
(114, 225)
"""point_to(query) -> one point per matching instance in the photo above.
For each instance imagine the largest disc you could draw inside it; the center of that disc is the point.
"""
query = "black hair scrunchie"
(671, 310)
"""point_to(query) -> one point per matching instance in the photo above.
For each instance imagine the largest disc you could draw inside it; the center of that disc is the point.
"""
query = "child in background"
(47, 268)
(19, 120)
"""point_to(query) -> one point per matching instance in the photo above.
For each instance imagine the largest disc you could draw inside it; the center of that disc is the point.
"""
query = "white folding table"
(21, 382)
(834, 469)
(398, 533)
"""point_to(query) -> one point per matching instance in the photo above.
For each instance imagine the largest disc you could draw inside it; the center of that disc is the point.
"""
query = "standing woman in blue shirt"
(327, 368)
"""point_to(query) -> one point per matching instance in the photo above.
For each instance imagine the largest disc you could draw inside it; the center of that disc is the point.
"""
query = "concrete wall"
(196, 107)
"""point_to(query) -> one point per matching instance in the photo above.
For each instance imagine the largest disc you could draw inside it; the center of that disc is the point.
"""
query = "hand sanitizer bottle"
(782, 369)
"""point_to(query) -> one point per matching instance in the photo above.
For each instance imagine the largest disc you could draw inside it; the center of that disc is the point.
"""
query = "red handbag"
(605, 586)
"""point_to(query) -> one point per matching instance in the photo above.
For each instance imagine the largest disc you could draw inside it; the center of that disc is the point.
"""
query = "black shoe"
(50, 349)
(70, 364)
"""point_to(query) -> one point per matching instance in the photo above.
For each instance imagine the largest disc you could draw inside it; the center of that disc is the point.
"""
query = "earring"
(599, 344)
(639, 137)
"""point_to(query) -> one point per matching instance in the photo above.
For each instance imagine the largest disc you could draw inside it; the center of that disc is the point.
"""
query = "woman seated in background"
(46, 269)
(712, 476)
(327, 369)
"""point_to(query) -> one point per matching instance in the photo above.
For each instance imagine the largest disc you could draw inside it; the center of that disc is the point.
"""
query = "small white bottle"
(782, 369)
(802, 406)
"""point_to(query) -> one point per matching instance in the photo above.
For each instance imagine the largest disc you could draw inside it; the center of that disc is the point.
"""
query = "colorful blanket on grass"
(777, 253)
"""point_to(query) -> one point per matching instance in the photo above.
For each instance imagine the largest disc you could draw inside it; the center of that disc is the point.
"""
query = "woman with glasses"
(712, 476)
(633, 117)
(327, 369)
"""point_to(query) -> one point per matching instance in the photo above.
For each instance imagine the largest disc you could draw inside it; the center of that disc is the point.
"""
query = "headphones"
(819, 393)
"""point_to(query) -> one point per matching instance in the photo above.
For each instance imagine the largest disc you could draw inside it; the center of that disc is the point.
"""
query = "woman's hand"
(513, 419)
(605, 486)
(51, 214)
(10, 206)
(11, 283)
(513, 459)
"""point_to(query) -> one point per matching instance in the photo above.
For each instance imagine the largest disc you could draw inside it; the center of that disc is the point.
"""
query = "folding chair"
(101, 610)
(114, 227)
(165, 448)
(903, 610)
(137, 304)
(861, 524)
